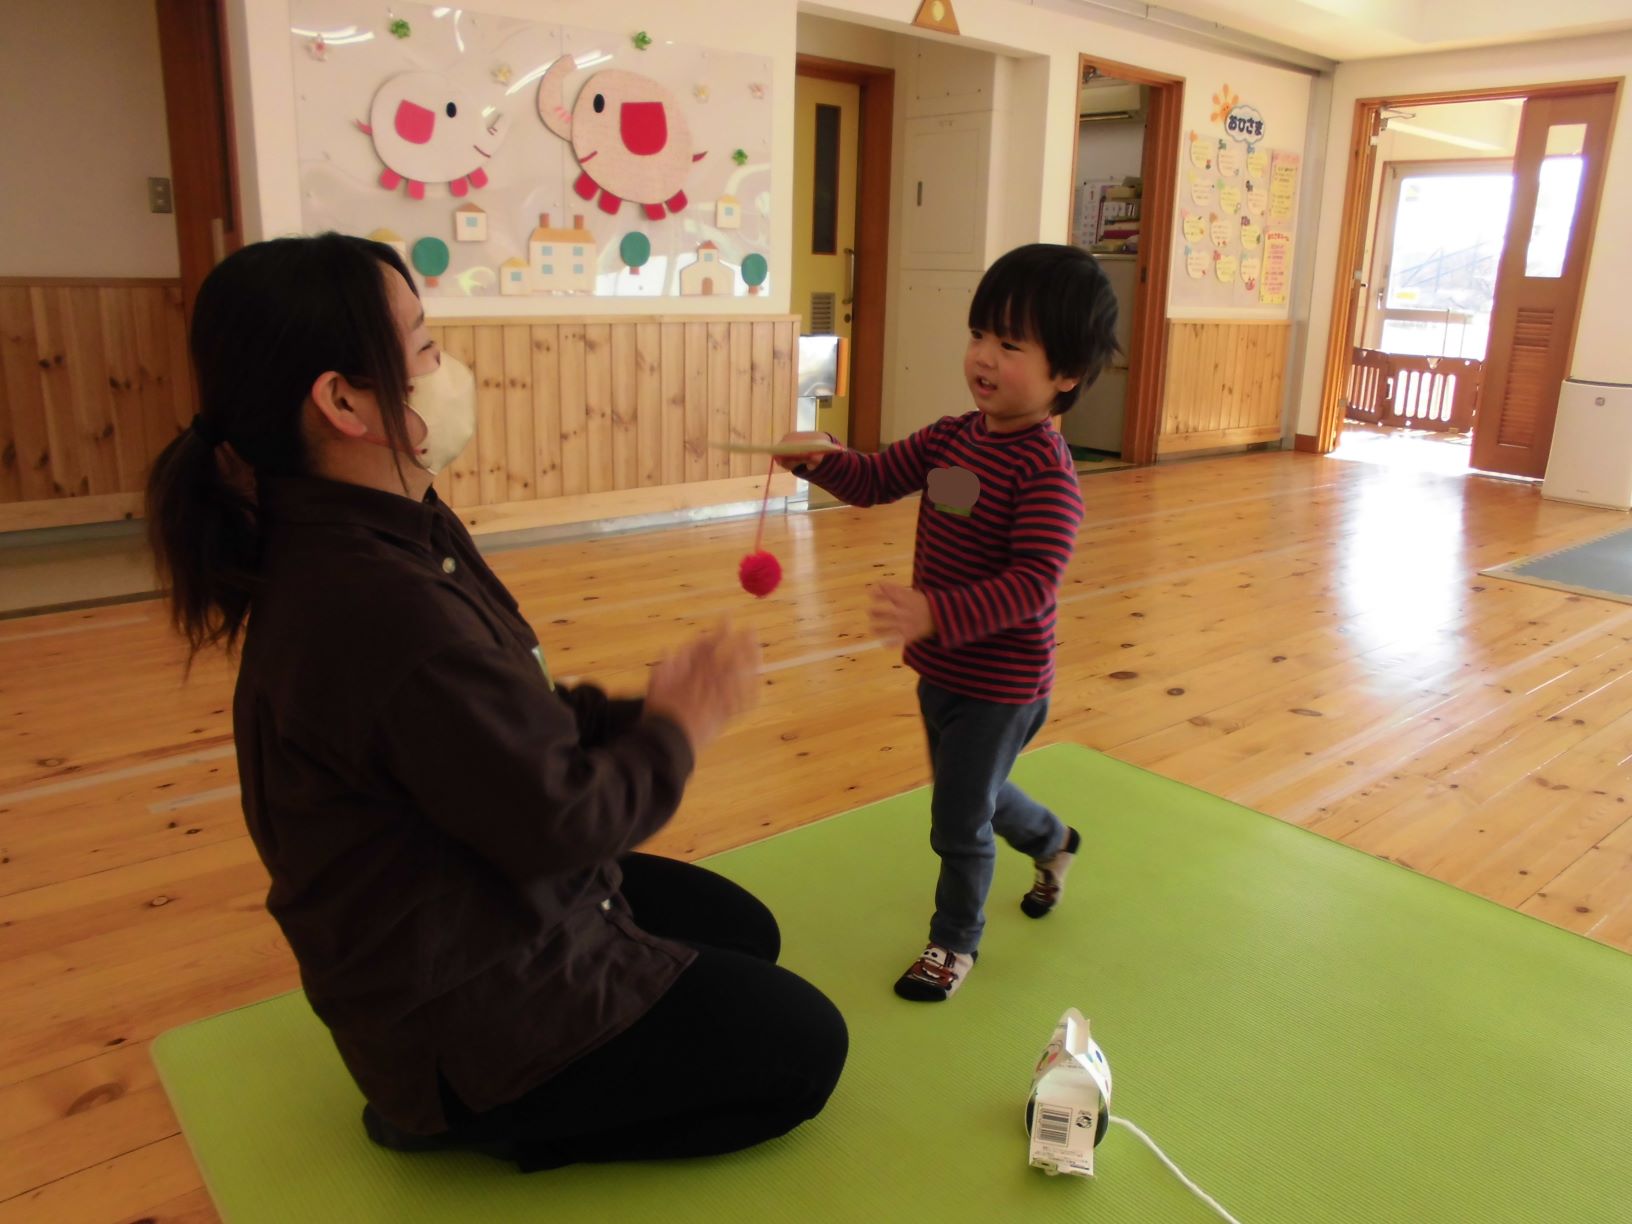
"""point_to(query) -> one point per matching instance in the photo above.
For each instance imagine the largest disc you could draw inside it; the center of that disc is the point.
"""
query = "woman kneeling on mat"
(447, 831)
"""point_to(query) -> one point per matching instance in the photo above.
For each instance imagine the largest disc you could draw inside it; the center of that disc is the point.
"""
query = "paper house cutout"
(513, 277)
(470, 223)
(937, 15)
(392, 239)
(562, 260)
(728, 213)
(707, 276)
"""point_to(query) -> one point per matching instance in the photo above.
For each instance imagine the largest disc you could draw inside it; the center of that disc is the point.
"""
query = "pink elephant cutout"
(631, 139)
(427, 131)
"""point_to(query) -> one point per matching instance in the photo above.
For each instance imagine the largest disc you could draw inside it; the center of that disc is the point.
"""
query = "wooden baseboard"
(507, 516)
(69, 511)
(1307, 443)
(1215, 439)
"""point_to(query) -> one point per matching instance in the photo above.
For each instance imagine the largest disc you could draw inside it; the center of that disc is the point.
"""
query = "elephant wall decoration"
(628, 134)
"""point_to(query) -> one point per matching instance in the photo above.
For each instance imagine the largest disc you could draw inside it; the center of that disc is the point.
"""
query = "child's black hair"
(1055, 296)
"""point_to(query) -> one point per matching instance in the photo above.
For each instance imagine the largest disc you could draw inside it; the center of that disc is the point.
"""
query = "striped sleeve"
(1046, 517)
(872, 480)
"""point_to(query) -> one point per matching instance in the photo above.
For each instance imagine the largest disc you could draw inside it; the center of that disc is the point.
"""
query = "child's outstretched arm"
(1046, 519)
(866, 480)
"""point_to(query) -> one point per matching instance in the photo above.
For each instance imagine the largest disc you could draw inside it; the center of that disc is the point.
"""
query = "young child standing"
(996, 529)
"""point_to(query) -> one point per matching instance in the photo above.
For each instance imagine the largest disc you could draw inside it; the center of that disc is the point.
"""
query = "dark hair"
(1055, 296)
(268, 322)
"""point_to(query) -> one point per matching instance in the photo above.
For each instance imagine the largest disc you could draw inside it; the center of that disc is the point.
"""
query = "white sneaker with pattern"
(936, 975)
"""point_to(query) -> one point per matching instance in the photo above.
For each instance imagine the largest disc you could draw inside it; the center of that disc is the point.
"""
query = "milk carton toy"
(1070, 1104)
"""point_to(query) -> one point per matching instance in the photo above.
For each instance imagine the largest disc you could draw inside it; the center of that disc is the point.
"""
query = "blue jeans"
(972, 747)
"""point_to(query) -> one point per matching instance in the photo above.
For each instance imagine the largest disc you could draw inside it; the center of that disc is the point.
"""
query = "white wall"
(1057, 36)
(82, 107)
(1601, 351)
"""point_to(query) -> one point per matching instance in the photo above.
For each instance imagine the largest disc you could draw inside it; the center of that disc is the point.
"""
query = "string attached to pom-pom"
(760, 572)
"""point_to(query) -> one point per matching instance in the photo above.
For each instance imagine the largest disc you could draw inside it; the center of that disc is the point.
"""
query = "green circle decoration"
(755, 270)
(636, 249)
(430, 257)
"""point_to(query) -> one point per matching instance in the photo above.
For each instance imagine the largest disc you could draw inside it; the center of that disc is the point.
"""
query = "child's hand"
(813, 460)
(901, 614)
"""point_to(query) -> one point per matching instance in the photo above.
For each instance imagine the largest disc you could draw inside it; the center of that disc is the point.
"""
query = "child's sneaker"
(936, 975)
(1049, 886)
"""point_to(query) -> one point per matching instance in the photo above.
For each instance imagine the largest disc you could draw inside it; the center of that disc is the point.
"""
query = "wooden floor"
(1305, 636)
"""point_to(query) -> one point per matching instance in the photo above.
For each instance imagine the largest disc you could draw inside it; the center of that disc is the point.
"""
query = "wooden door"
(1558, 173)
(827, 129)
(198, 108)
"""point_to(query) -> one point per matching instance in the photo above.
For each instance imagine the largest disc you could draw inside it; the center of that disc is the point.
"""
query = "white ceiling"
(1366, 29)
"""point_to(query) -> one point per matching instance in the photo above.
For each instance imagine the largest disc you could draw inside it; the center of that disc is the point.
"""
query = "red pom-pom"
(759, 573)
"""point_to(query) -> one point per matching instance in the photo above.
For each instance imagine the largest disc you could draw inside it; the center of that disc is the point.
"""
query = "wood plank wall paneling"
(94, 382)
(611, 407)
(1225, 382)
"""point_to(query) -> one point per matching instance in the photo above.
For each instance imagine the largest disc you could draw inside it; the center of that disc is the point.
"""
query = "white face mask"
(445, 400)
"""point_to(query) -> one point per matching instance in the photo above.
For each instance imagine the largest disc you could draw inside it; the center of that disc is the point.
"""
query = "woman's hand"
(813, 459)
(706, 683)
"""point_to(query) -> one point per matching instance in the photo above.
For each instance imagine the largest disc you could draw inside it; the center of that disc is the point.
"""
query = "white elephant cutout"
(629, 135)
(427, 131)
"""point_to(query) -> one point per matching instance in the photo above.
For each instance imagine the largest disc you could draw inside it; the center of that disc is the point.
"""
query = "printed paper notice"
(1258, 165)
(1201, 152)
(1257, 197)
(1224, 269)
(1252, 268)
(1222, 231)
(1202, 190)
(1196, 261)
(1195, 228)
(1277, 268)
(1230, 160)
(1283, 187)
(1252, 234)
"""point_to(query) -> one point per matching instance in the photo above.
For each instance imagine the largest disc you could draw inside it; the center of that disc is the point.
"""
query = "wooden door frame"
(196, 60)
(1159, 168)
(1352, 232)
(873, 168)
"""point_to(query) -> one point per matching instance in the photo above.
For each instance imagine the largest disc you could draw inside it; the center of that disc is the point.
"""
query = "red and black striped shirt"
(996, 529)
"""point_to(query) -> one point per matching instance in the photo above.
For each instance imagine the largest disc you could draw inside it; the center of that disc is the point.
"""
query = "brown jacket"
(441, 824)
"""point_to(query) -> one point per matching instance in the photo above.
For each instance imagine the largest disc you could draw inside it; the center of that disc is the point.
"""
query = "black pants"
(737, 1051)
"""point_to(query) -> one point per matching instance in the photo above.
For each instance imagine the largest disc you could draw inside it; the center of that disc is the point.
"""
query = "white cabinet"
(933, 310)
(945, 197)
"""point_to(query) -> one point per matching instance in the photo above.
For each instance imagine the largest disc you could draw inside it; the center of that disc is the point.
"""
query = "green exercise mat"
(1312, 1034)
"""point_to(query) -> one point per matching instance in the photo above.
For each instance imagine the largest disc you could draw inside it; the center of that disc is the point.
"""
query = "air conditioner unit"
(1103, 99)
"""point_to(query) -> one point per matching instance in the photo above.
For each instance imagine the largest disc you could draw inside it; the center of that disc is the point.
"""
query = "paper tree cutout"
(430, 258)
(635, 250)
(937, 15)
(633, 131)
(754, 271)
